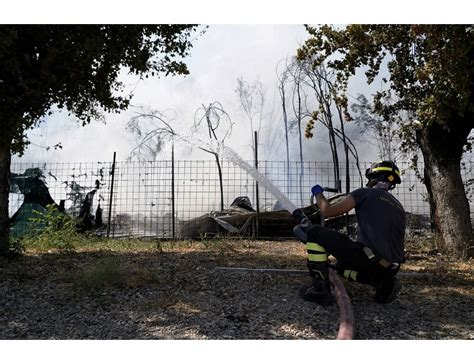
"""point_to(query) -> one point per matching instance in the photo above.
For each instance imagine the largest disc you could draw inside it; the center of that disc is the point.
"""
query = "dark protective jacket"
(381, 222)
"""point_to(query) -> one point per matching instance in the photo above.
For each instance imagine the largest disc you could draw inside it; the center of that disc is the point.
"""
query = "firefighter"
(376, 256)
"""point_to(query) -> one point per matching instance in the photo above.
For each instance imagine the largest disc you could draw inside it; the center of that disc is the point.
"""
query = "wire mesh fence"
(184, 198)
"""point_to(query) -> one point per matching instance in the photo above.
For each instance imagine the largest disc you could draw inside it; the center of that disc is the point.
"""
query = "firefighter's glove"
(299, 216)
(316, 190)
(300, 231)
(304, 224)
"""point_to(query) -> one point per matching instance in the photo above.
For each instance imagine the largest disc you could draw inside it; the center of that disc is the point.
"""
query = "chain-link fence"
(189, 199)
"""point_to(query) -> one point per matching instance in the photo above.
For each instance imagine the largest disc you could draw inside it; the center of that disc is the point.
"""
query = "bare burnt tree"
(316, 81)
(283, 80)
(305, 88)
(218, 124)
(331, 107)
(297, 75)
(252, 100)
(151, 128)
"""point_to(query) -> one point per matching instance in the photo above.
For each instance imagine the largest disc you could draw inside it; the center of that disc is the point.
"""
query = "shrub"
(52, 229)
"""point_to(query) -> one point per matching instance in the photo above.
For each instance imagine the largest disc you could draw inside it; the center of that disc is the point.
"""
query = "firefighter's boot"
(319, 290)
(386, 289)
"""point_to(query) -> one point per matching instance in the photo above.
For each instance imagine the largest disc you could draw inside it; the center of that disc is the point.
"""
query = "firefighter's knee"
(314, 235)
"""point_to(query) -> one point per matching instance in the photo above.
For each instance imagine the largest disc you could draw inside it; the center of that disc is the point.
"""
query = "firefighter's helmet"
(386, 171)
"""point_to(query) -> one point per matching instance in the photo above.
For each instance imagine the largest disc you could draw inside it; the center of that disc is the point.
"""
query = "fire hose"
(346, 315)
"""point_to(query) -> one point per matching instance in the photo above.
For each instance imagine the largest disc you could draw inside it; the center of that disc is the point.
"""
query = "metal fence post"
(348, 183)
(173, 221)
(111, 194)
(257, 199)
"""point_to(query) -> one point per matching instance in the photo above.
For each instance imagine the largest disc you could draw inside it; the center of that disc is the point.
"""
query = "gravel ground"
(176, 293)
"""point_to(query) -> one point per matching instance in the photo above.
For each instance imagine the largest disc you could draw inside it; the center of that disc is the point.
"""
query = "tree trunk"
(5, 162)
(285, 121)
(442, 153)
(221, 186)
(300, 145)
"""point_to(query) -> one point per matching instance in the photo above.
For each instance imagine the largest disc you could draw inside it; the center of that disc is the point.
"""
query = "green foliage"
(430, 69)
(17, 248)
(76, 67)
(52, 229)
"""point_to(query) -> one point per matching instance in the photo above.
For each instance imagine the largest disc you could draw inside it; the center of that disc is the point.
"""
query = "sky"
(247, 40)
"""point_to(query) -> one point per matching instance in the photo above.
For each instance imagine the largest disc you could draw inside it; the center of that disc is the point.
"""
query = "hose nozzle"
(304, 224)
(299, 216)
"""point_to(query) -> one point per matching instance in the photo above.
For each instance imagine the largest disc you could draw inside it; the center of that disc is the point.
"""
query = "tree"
(312, 86)
(151, 129)
(74, 67)
(219, 126)
(297, 77)
(252, 100)
(283, 80)
(320, 83)
(332, 106)
(431, 72)
(384, 132)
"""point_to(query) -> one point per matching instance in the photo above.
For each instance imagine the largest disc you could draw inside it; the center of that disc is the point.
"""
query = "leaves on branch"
(76, 67)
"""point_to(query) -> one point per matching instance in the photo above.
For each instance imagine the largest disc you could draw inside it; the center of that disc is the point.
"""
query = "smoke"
(218, 59)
